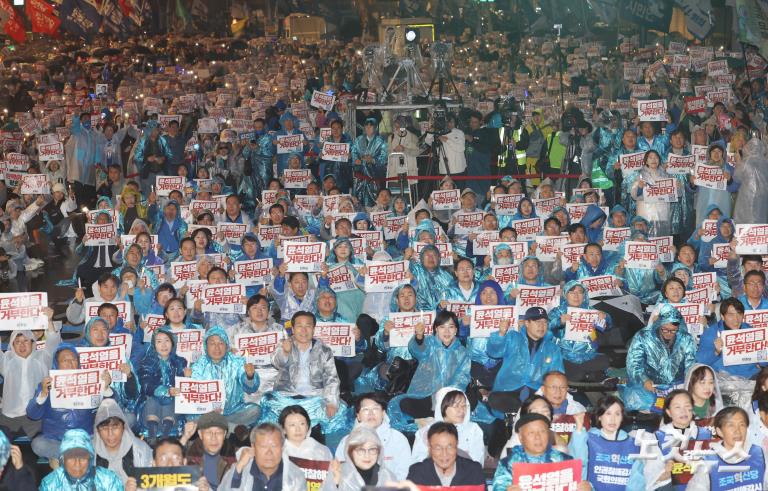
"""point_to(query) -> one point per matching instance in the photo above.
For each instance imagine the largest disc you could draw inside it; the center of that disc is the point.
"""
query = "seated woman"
(580, 357)
(442, 362)
(704, 388)
(452, 406)
(364, 466)
(295, 422)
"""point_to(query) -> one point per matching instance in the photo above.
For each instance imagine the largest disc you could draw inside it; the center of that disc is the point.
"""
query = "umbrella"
(99, 52)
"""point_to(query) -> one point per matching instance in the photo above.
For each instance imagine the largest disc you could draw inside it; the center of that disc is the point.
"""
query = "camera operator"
(538, 139)
(577, 138)
(403, 140)
(482, 149)
(452, 159)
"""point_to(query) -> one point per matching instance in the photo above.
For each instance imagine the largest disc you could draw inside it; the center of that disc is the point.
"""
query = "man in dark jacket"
(16, 98)
(482, 147)
(444, 467)
(211, 451)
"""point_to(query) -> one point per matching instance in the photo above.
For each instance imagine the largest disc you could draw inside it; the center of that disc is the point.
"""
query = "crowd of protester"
(648, 380)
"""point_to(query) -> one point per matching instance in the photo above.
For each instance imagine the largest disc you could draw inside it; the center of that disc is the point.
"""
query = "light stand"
(411, 79)
(441, 61)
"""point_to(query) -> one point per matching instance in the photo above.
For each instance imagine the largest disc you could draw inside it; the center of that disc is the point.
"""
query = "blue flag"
(80, 17)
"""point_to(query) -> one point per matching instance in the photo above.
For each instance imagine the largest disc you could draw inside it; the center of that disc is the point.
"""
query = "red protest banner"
(541, 477)
(486, 319)
(304, 256)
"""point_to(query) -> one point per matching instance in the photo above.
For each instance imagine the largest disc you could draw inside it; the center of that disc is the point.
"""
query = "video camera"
(440, 120)
(511, 112)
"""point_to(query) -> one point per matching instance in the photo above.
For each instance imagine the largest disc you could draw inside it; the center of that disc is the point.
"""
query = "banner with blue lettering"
(80, 17)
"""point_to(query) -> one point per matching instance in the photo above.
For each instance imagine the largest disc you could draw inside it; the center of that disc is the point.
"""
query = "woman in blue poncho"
(443, 362)
(484, 367)
(581, 358)
(158, 370)
(429, 278)
(369, 161)
(350, 302)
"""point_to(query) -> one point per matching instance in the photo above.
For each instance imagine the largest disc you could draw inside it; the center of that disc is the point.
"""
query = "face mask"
(87, 125)
(261, 132)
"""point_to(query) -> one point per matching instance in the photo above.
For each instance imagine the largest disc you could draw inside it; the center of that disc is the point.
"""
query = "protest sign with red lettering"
(717, 67)
(289, 143)
(340, 279)
(661, 191)
(505, 275)
(385, 276)
(641, 255)
(335, 152)
(304, 256)
(373, 238)
(189, 344)
(653, 110)
(338, 336)
(124, 310)
(706, 280)
(544, 206)
(282, 239)
(35, 184)
(379, 219)
(197, 206)
(486, 319)
(547, 248)
(756, 318)
(306, 204)
(447, 199)
(181, 271)
(710, 176)
(701, 90)
(640, 91)
(528, 228)
(723, 95)
(393, 225)
(461, 309)
(152, 322)
(257, 347)
(571, 254)
(631, 162)
(253, 272)
(321, 100)
(744, 346)
(23, 311)
(692, 313)
(506, 204)
(467, 222)
(710, 230)
(699, 153)
(546, 297)
(720, 253)
(98, 235)
(517, 251)
(268, 198)
(76, 389)
(698, 295)
(233, 232)
(600, 286)
(481, 243)
(405, 326)
(315, 471)
(665, 248)
(199, 396)
(577, 210)
(104, 358)
(268, 233)
(445, 249)
(128, 240)
(325, 134)
(680, 164)
(559, 475)
(224, 298)
(751, 238)
(696, 105)
(296, 178)
(581, 324)
(51, 151)
(17, 161)
(165, 184)
(331, 203)
(613, 237)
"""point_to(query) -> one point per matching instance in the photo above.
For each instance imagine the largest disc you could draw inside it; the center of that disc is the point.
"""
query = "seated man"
(261, 466)
(554, 388)
(115, 445)
(444, 467)
(210, 452)
(79, 469)
(168, 452)
(306, 374)
(108, 284)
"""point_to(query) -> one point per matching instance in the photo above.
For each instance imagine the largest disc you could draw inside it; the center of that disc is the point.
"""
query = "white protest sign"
(98, 235)
(631, 162)
(153, 322)
(661, 191)
(304, 256)
(447, 199)
(580, 324)
(340, 279)
(528, 228)
(720, 253)
(322, 100)
(547, 248)
(296, 178)
(467, 222)
(486, 319)
(51, 151)
(405, 326)
(35, 184)
(76, 389)
(751, 238)
(600, 286)
(335, 152)
(165, 184)
(23, 311)
(481, 242)
(199, 396)
(289, 143)
(189, 344)
(653, 110)
(613, 237)
(385, 276)
(253, 272)
(224, 299)
(710, 176)
(641, 255)
(181, 271)
(124, 310)
(257, 347)
(744, 346)
(338, 336)
(506, 204)
(505, 275)
(680, 164)
(104, 358)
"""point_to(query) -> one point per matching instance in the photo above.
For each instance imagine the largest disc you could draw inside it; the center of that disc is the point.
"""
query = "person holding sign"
(55, 422)
(158, 370)
(258, 153)
(621, 179)
(363, 466)
(736, 463)
(660, 354)
(341, 171)
(82, 154)
(291, 292)
(605, 450)
(442, 362)
(705, 197)
(96, 259)
(578, 339)
(656, 211)
(642, 282)
(79, 469)
(683, 217)
(239, 377)
(535, 448)
(170, 228)
(430, 279)
(289, 125)
(526, 355)
(369, 160)
(711, 344)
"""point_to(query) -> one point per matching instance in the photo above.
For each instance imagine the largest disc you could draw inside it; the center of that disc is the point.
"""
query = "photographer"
(451, 152)
(403, 140)
(482, 149)
(577, 138)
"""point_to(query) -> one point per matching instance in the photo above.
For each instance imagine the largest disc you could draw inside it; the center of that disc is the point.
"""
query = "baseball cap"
(535, 313)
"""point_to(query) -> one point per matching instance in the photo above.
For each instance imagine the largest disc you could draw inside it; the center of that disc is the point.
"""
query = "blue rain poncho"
(341, 171)
(643, 283)
(659, 143)
(650, 358)
(158, 375)
(282, 159)
(96, 478)
(693, 240)
(350, 303)
(705, 197)
(429, 284)
(518, 367)
(478, 347)
(705, 253)
(260, 162)
(141, 148)
(169, 234)
(683, 215)
(706, 353)
(83, 152)
(594, 221)
(503, 478)
(454, 294)
(574, 351)
(365, 186)
(231, 369)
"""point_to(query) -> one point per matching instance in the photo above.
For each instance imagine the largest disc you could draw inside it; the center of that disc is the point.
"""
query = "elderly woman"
(364, 465)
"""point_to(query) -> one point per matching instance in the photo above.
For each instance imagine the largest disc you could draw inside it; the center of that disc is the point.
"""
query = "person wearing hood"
(430, 280)
(660, 354)
(369, 160)
(442, 362)
(594, 221)
(292, 292)
(735, 463)
(263, 465)
(23, 367)
(370, 410)
(376, 304)
(296, 424)
(363, 463)
(152, 156)
(711, 343)
(16, 476)
(239, 377)
(702, 384)
(612, 445)
(463, 290)
(725, 235)
(96, 259)
(627, 145)
(250, 249)
(484, 368)
(657, 213)
(60, 212)
(134, 259)
(170, 228)
(113, 140)
(258, 153)
(349, 302)
(81, 154)
(79, 470)
(233, 213)
(582, 360)
(115, 445)
(713, 212)
(751, 170)
(55, 422)
(641, 282)
(468, 205)
(705, 197)
(131, 208)
(289, 125)
(158, 370)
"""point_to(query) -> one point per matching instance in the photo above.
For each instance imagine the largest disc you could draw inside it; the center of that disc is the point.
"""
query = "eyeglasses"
(362, 452)
(371, 409)
(666, 330)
